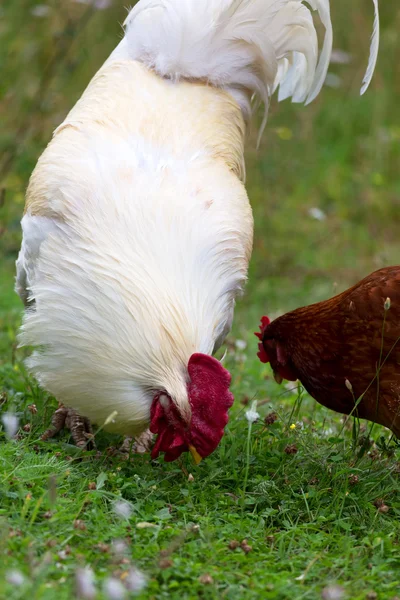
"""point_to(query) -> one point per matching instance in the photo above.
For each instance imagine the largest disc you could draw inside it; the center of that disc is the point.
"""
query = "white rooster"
(138, 231)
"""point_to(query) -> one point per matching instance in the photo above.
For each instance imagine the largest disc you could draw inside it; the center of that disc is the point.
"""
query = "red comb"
(262, 355)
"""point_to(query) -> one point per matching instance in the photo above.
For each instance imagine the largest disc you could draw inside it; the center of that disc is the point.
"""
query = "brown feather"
(346, 338)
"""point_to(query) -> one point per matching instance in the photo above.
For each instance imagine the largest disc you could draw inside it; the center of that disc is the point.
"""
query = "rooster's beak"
(196, 456)
(278, 378)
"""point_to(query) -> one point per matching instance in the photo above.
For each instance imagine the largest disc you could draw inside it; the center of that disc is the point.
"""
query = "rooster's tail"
(245, 46)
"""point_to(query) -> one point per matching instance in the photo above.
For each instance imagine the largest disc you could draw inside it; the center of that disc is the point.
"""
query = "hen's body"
(346, 338)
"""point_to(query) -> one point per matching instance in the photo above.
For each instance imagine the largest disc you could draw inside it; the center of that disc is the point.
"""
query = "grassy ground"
(297, 490)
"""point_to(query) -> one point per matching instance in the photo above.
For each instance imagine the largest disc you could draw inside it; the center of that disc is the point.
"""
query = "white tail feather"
(373, 56)
(245, 46)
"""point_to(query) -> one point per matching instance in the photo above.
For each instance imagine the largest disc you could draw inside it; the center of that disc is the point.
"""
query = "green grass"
(310, 517)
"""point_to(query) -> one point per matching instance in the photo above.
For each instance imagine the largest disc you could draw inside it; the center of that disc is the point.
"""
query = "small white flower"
(113, 589)
(290, 386)
(40, 10)
(333, 592)
(252, 415)
(241, 345)
(317, 214)
(328, 431)
(119, 547)
(340, 57)
(333, 81)
(99, 4)
(241, 358)
(84, 584)
(122, 509)
(10, 422)
(15, 577)
(136, 580)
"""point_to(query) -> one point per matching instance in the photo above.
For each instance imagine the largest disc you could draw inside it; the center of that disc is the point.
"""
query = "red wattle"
(262, 354)
(209, 398)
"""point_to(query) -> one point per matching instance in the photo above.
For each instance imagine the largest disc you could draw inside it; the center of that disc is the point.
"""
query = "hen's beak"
(196, 456)
(278, 378)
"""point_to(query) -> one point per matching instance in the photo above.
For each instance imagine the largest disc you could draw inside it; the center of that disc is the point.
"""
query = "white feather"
(373, 56)
(141, 272)
(237, 45)
(245, 46)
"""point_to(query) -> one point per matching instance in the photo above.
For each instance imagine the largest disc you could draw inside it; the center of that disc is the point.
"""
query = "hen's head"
(273, 349)
(209, 399)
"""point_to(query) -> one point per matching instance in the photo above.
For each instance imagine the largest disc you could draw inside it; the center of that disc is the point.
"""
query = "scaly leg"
(68, 418)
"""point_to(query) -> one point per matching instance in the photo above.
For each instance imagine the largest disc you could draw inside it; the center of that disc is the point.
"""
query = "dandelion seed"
(348, 385)
(110, 418)
(387, 304)
(119, 547)
(10, 422)
(333, 81)
(241, 345)
(241, 358)
(340, 57)
(84, 584)
(15, 577)
(252, 415)
(122, 509)
(40, 10)
(98, 4)
(333, 592)
(136, 580)
(317, 214)
(113, 589)
(290, 386)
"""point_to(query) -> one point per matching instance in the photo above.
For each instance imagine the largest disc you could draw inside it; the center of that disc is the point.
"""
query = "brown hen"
(346, 350)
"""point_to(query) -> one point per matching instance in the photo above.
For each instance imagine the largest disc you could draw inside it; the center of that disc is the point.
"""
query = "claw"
(67, 418)
(139, 445)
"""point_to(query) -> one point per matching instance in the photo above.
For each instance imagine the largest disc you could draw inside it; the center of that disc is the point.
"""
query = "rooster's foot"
(68, 418)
